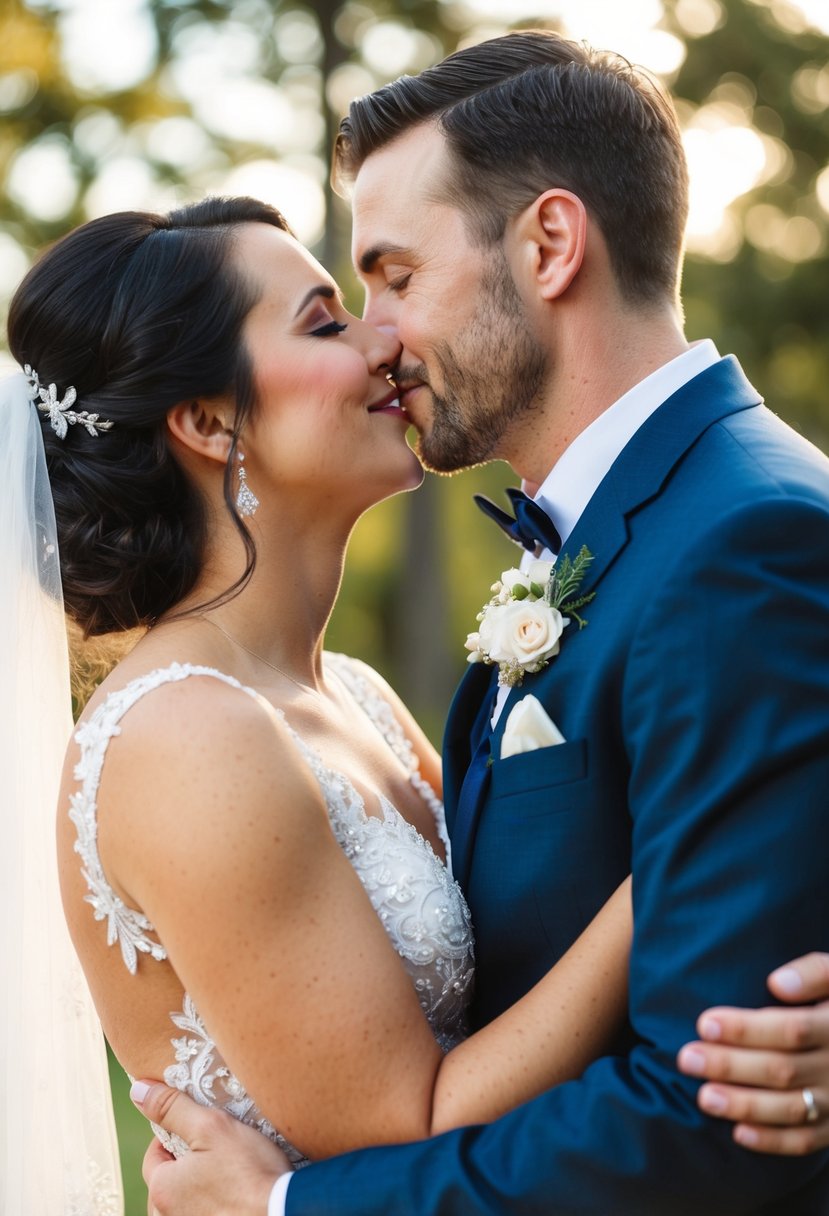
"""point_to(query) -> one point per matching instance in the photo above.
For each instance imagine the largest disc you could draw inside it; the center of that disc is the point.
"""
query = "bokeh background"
(114, 104)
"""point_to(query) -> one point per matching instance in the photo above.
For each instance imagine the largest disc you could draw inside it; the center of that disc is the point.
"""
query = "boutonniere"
(520, 628)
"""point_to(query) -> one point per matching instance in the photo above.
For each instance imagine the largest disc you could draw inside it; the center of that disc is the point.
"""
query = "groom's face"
(469, 365)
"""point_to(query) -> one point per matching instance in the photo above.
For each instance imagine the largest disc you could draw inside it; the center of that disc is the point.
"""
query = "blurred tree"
(763, 294)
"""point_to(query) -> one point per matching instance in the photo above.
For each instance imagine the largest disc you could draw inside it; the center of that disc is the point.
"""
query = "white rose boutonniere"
(521, 626)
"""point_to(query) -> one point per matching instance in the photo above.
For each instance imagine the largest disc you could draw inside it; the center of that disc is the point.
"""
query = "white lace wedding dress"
(421, 906)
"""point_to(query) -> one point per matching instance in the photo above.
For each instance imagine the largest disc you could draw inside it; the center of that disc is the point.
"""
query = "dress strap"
(381, 714)
(125, 925)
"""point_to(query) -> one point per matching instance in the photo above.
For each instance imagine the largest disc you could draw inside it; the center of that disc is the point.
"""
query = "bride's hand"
(230, 1167)
(770, 1067)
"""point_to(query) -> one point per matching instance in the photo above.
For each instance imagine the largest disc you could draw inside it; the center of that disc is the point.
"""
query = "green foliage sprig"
(566, 578)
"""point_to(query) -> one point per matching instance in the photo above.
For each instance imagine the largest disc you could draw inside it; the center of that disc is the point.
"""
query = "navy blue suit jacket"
(695, 706)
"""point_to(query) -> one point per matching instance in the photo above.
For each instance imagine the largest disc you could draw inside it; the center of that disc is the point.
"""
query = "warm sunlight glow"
(13, 266)
(794, 238)
(726, 159)
(699, 17)
(127, 183)
(292, 190)
(391, 48)
(107, 45)
(240, 106)
(816, 13)
(798, 16)
(822, 189)
(42, 179)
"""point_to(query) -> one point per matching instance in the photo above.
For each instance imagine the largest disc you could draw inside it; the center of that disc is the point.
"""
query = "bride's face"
(327, 426)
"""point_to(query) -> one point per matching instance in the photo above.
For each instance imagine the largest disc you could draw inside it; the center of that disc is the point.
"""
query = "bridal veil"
(57, 1133)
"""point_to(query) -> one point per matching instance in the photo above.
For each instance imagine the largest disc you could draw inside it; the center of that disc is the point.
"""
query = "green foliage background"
(420, 565)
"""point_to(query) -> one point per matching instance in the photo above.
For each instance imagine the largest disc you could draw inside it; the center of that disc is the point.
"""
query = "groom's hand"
(230, 1168)
(770, 1067)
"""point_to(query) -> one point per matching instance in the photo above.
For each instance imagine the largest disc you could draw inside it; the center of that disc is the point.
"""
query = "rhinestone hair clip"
(61, 414)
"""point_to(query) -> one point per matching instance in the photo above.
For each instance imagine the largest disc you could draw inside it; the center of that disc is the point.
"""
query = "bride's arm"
(563, 1024)
(221, 837)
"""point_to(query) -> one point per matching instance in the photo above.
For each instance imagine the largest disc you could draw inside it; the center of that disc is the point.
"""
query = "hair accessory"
(246, 501)
(61, 414)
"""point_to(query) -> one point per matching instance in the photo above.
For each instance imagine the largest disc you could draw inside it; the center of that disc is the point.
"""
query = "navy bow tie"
(530, 527)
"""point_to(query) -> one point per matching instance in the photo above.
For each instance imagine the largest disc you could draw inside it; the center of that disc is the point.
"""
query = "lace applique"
(201, 1072)
(380, 713)
(101, 1197)
(420, 905)
(125, 925)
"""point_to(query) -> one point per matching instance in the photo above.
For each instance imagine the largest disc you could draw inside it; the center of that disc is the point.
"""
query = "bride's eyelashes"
(333, 327)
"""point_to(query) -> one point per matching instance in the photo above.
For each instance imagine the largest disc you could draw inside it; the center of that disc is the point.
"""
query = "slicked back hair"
(531, 111)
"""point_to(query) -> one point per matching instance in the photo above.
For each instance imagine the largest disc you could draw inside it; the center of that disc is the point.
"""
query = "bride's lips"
(390, 404)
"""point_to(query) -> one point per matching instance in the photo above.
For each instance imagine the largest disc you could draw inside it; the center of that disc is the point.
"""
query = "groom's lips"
(407, 391)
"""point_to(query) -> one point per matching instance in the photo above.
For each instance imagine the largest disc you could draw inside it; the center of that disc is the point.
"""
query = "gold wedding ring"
(812, 1112)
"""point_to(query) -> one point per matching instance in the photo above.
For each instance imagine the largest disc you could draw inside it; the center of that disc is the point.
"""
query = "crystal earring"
(246, 501)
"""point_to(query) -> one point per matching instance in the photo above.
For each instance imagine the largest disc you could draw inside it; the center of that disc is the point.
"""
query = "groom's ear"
(552, 234)
(203, 427)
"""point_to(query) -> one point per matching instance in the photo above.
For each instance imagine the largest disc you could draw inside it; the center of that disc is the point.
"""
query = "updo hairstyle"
(139, 312)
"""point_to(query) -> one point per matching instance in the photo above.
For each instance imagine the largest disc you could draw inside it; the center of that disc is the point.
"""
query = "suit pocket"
(538, 770)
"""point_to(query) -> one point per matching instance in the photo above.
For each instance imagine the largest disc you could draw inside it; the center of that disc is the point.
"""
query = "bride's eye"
(333, 327)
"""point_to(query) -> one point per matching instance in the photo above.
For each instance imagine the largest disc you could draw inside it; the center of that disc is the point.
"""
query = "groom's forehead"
(395, 189)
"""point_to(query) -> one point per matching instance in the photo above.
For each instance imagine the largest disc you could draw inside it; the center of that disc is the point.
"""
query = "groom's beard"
(491, 374)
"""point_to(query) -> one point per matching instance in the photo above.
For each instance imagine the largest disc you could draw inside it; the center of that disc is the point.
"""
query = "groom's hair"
(530, 111)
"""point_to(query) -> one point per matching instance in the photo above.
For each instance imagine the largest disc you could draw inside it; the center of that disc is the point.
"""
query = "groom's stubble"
(492, 373)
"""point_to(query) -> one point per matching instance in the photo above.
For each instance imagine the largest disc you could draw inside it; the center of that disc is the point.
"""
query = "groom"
(518, 221)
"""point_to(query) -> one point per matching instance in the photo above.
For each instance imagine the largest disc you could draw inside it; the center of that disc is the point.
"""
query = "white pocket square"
(528, 728)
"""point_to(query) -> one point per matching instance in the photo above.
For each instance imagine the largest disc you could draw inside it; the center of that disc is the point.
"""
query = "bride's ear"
(203, 427)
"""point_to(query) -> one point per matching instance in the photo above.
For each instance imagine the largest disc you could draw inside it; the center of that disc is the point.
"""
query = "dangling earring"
(246, 500)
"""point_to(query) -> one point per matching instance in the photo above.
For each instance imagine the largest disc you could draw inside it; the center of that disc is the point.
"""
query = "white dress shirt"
(572, 482)
(581, 468)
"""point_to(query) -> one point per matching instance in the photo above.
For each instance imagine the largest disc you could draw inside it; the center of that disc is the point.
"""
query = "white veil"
(58, 1151)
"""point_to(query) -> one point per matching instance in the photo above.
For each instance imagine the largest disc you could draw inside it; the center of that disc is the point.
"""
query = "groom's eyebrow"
(372, 256)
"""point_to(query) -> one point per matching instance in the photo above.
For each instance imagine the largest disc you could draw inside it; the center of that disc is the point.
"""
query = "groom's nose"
(378, 310)
(379, 316)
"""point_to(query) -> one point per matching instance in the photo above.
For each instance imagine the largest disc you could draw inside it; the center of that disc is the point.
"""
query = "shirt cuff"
(277, 1199)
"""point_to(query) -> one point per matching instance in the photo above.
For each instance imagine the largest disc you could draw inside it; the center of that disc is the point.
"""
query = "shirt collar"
(581, 468)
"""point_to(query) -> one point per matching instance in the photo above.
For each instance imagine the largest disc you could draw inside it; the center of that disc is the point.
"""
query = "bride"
(252, 862)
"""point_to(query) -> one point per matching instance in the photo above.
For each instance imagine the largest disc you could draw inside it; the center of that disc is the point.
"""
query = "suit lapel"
(458, 742)
(645, 465)
(638, 475)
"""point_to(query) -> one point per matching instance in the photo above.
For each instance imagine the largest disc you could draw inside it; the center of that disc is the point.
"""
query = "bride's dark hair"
(138, 312)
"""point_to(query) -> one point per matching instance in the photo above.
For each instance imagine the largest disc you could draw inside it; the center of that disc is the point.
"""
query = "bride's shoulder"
(135, 695)
(181, 727)
(191, 764)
